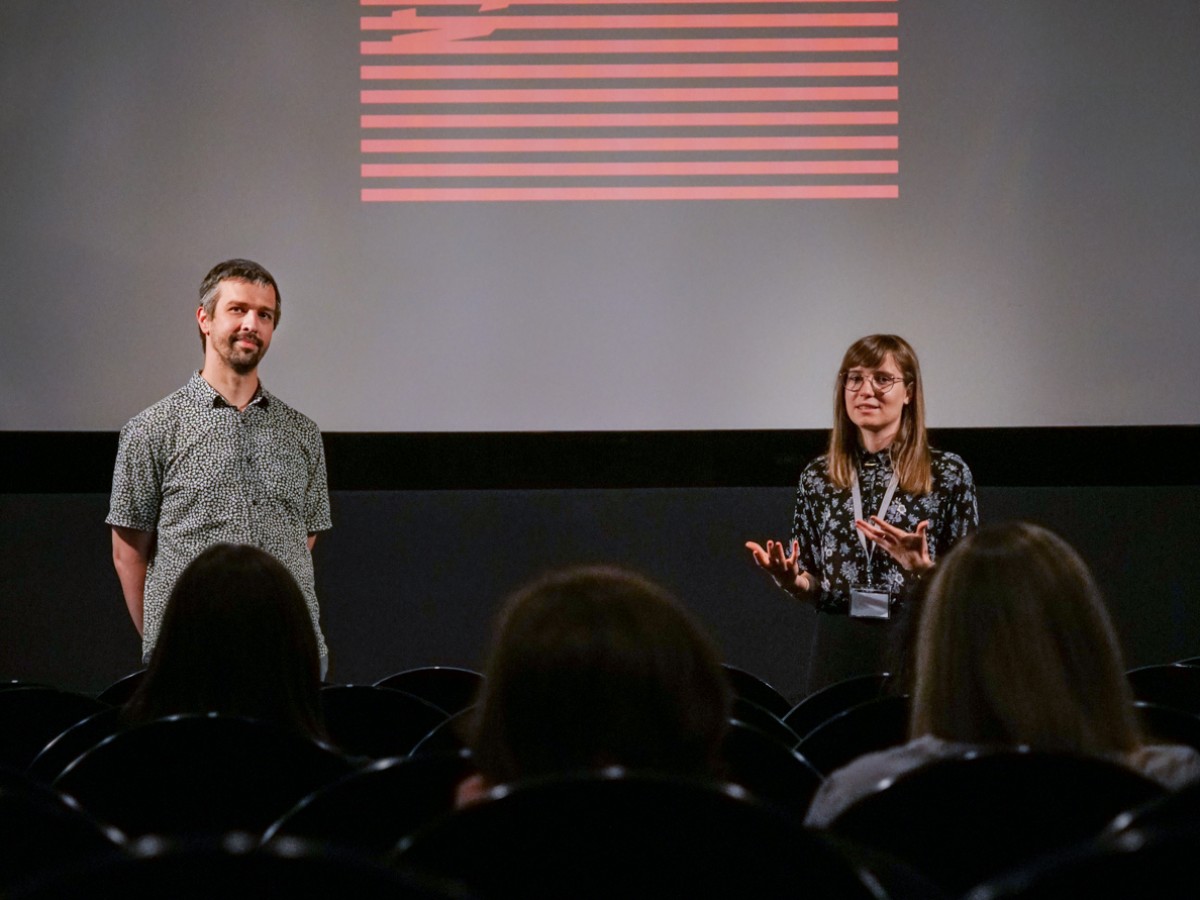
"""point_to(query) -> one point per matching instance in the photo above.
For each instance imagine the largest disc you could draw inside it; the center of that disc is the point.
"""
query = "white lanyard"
(856, 497)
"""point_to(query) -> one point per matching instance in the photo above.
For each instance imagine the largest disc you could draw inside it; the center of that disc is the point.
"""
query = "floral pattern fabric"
(823, 524)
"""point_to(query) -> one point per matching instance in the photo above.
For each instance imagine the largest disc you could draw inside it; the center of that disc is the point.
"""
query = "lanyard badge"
(868, 601)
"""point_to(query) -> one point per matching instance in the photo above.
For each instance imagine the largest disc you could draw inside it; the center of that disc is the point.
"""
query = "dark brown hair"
(237, 638)
(910, 449)
(593, 667)
(235, 270)
(1014, 646)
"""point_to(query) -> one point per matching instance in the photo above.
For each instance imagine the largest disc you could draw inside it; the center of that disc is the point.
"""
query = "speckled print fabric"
(199, 472)
(824, 523)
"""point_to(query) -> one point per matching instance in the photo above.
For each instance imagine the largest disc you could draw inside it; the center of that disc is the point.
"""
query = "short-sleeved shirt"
(830, 549)
(197, 471)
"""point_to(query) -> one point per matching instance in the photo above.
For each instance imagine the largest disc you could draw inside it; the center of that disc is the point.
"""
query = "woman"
(595, 667)
(873, 514)
(1014, 648)
(237, 638)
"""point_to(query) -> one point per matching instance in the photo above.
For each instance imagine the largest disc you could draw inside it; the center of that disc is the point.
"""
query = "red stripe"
(625, 95)
(486, 5)
(707, 192)
(681, 70)
(569, 169)
(416, 44)
(569, 145)
(408, 19)
(622, 120)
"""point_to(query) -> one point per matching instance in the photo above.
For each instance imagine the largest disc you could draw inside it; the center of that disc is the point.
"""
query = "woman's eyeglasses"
(881, 381)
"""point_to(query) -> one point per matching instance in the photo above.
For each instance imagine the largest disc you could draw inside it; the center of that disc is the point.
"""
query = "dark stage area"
(414, 576)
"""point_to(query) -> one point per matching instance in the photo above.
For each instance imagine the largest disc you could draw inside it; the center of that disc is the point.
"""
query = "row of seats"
(343, 797)
(451, 690)
(997, 825)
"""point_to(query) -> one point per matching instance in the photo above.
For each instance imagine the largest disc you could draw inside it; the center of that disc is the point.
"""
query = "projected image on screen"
(623, 101)
(606, 216)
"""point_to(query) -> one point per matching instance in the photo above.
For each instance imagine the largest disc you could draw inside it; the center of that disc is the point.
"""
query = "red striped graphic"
(618, 120)
(576, 145)
(666, 70)
(417, 44)
(403, 20)
(620, 95)
(575, 100)
(727, 192)
(488, 5)
(754, 167)
(480, 145)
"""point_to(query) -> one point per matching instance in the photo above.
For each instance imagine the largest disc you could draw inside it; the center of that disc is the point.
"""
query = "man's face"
(239, 331)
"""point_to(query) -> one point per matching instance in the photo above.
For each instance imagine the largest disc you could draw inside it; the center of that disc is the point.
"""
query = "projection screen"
(565, 216)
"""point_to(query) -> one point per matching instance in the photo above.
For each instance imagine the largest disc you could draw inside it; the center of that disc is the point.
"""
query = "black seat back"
(376, 722)
(198, 773)
(449, 688)
(372, 809)
(874, 725)
(31, 717)
(631, 835)
(962, 820)
(821, 706)
(756, 690)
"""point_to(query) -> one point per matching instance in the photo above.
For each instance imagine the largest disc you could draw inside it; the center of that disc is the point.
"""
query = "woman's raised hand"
(909, 548)
(781, 565)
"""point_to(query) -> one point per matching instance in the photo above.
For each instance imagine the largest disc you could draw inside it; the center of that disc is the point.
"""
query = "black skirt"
(843, 647)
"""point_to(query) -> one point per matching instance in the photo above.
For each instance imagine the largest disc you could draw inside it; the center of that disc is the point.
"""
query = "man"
(219, 460)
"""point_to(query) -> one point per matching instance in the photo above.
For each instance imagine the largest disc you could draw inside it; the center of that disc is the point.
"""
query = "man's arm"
(316, 499)
(132, 550)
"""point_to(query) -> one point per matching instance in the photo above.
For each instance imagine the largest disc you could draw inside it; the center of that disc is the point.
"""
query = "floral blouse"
(829, 546)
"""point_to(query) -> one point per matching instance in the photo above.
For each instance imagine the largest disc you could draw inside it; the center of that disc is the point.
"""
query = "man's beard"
(241, 360)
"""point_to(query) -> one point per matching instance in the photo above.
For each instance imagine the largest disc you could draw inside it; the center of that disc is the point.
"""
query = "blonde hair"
(1015, 647)
(910, 450)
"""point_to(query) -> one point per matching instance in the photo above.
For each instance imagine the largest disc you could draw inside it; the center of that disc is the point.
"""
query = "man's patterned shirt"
(197, 472)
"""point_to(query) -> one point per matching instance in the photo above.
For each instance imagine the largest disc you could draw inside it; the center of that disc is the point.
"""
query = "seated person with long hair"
(237, 638)
(596, 667)
(1014, 648)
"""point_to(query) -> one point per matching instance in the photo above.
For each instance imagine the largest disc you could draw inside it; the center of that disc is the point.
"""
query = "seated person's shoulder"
(867, 773)
(1172, 765)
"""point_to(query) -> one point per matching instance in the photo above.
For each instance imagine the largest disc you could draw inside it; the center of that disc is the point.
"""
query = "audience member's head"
(593, 667)
(237, 638)
(1015, 647)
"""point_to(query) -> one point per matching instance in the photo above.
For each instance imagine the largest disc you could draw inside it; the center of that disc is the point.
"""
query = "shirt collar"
(208, 397)
(882, 459)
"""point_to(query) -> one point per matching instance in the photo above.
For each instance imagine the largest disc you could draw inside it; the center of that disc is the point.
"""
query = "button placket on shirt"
(252, 475)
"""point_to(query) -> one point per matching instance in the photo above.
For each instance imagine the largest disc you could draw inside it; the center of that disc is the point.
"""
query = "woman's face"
(874, 411)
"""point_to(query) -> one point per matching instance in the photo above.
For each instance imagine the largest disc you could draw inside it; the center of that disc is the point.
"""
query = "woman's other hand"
(909, 548)
(783, 566)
